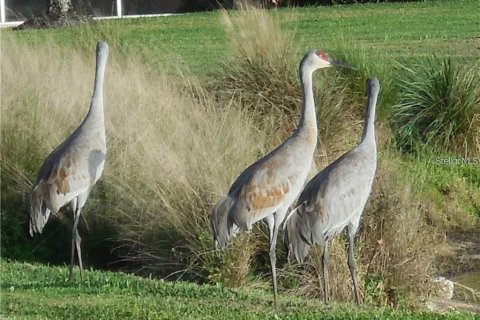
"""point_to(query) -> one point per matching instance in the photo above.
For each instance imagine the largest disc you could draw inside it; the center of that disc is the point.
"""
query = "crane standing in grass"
(267, 188)
(72, 169)
(335, 198)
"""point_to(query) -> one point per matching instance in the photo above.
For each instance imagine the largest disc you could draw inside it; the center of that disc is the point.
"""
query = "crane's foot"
(358, 298)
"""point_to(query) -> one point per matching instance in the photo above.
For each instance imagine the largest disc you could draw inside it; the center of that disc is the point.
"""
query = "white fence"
(118, 7)
(2, 12)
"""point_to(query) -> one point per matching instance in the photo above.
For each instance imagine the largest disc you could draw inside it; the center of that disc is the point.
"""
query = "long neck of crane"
(308, 119)
(368, 135)
(96, 105)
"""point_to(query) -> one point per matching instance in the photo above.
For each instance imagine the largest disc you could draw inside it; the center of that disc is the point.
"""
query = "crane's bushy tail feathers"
(295, 236)
(222, 225)
(39, 213)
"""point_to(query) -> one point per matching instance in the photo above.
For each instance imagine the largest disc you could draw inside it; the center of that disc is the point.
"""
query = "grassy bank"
(33, 291)
(192, 100)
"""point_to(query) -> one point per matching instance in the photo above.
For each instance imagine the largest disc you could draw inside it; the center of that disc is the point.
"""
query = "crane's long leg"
(72, 257)
(326, 286)
(78, 240)
(76, 218)
(351, 263)
(274, 222)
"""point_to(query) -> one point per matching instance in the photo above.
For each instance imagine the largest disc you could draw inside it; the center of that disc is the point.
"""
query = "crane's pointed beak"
(341, 64)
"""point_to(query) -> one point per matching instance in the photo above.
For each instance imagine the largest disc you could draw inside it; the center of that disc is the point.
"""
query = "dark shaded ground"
(50, 20)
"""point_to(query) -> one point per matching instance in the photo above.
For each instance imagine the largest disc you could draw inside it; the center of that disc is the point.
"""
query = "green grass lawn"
(198, 41)
(33, 291)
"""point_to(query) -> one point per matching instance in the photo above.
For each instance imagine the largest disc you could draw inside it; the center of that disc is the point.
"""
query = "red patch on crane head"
(322, 55)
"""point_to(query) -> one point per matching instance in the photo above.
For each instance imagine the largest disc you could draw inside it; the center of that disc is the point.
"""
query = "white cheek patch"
(325, 63)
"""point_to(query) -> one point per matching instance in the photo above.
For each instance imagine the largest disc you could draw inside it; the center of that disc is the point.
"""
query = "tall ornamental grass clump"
(260, 74)
(260, 77)
(181, 154)
(438, 106)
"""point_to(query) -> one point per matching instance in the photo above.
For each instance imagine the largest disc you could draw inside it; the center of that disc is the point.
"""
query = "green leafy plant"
(438, 105)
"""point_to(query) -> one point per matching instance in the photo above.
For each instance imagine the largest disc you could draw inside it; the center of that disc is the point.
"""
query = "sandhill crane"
(72, 169)
(267, 188)
(335, 198)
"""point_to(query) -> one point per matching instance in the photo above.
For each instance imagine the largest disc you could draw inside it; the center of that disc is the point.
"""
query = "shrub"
(438, 106)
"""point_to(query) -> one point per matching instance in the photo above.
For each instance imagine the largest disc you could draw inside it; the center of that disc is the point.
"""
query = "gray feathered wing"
(59, 181)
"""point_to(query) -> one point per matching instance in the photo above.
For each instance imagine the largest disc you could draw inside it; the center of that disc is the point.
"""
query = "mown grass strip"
(33, 291)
